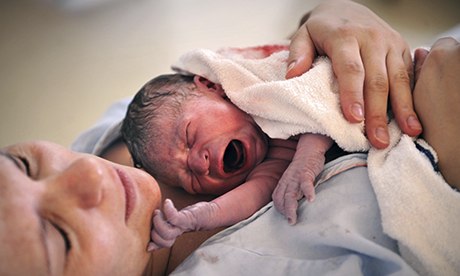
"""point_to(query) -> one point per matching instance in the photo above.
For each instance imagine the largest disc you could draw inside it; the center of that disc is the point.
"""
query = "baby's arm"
(228, 209)
(298, 179)
(307, 157)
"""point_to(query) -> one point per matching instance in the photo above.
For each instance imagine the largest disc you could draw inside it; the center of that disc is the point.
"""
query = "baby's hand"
(172, 223)
(298, 179)
(164, 234)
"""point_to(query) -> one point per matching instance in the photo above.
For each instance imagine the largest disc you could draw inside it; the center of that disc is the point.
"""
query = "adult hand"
(371, 61)
(437, 101)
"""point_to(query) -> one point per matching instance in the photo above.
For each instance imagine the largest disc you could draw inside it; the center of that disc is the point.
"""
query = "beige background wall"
(60, 67)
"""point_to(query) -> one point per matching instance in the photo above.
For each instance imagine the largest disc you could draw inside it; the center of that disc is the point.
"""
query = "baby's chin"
(261, 151)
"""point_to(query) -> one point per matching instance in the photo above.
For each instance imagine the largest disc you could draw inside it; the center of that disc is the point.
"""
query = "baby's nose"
(198, 162)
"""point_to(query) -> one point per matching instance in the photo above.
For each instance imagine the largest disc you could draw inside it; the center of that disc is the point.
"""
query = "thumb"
(301, 53)
(169, 210)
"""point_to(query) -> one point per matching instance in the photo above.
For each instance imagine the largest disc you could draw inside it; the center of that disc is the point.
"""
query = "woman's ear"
(207, 85)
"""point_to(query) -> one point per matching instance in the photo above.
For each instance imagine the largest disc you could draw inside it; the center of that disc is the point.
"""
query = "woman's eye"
(26, 165)
(187, 140)
(65, 237)
(21, 162)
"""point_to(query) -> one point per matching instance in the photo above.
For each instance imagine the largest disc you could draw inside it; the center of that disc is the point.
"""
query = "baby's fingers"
(296, 191)
(291, 198)
(152, 247)
(286, 195)
(290, 210)
(171, 213)
(308, 190)
(158, 242)
(163, 234)
(169, 209)
(183, 219)
(278, 197)
(164, 228)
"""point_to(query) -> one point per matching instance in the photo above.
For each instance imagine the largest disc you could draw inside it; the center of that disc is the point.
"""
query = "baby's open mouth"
(234, 156)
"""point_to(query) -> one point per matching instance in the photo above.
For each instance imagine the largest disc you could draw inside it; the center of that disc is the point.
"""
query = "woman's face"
(65, 213)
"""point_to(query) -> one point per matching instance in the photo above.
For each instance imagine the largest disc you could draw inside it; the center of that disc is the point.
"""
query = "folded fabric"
(419, 209)
(282, 108)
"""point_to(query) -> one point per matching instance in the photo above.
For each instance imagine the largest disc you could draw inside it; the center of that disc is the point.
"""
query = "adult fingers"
(349, 70)
(376, 96)
(301, 53)
(400, 71)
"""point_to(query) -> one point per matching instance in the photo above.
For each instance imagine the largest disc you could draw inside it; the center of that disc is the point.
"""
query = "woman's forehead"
(34, 147)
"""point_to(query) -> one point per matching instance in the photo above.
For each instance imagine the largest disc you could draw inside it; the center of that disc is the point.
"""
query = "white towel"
(418, 207)
(306, 104)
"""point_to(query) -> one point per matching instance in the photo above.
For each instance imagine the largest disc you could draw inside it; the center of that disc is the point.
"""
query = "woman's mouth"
(130, 193)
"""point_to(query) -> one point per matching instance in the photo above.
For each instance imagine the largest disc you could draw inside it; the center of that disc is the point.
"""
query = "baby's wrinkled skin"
(289, 165)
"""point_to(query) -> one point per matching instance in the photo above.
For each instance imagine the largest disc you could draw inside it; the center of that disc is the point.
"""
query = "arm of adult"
(437, 102)
(371, 60)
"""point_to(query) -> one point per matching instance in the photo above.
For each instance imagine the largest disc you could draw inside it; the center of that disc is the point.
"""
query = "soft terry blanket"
(417, 206)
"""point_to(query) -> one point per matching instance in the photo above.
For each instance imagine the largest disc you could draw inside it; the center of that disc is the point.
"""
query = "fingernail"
(414, 123)
(151, 247)
(357, 111)
(291, 65)
(382, 135)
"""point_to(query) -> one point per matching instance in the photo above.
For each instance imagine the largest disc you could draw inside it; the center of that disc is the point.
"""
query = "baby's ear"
(207, 85)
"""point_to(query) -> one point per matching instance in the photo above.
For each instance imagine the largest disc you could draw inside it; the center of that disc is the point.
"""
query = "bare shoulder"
(118, 152)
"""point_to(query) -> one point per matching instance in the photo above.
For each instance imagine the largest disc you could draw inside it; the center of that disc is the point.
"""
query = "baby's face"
(213, 146)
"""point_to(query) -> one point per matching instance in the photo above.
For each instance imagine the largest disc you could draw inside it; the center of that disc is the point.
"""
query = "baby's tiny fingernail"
(151, 247)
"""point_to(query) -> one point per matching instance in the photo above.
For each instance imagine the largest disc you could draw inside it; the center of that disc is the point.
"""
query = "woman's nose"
(198, 162)
(82, 182)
